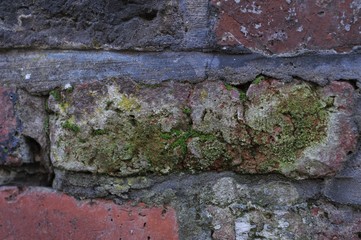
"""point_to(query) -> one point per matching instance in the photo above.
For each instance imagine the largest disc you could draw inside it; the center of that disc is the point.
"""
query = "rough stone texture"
(274, 27)
(344, 187)
(136, 25)
(226, 205)
(287, 26)
(23, 217)
(23, 138)
(176, 112)
(122, 128)
(274, 210)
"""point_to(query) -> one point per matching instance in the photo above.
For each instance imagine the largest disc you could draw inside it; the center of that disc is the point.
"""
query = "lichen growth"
(70, 125)
(128, 103)
(204, 94)
(267, 132)
(180, 138)
(64, 106)
(297, 121)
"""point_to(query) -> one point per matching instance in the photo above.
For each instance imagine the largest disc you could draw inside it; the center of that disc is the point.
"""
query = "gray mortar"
(41, 71)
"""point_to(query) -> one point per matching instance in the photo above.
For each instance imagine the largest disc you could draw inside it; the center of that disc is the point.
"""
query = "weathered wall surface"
(180, 119)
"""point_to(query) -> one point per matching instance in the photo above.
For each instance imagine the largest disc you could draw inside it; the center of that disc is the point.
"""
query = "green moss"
(46, 125)
(69, 89)
(258, 79)
(166, 136)
(187, 111)
(96, 132)
(229, 87)
(180, 138)
(70, 125)
(299, 121)
(242, 96)
(56, 94)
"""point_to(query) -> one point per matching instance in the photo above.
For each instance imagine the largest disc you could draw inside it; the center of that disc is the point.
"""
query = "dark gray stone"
(107, 24)
(320, 69)
(345, 187)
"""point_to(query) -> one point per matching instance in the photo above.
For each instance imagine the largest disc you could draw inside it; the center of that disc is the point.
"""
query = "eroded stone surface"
(287, 26)
(123, 128)
(138, 25)
(41, 213)
(274, 210)
(23, 138)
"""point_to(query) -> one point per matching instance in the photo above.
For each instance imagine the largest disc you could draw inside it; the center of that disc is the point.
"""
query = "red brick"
(281, 26)
(41, 213)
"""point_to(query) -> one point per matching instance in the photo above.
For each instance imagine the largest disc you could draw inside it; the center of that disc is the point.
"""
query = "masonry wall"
(180, 119)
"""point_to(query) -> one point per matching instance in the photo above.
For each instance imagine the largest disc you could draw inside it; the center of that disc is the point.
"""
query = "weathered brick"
(41, 213)
(122, 128)
(288, 26)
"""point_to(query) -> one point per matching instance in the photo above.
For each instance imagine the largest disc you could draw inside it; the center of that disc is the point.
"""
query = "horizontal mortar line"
(154, 67)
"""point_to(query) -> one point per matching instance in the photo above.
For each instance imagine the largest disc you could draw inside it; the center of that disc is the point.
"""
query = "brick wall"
(180, 119)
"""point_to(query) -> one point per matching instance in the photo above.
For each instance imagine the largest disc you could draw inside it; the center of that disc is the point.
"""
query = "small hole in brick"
(145, 224)
(359, 235)
(164, 211)
(111, 219)
(349, 153)
(321, 14)
(148, 238)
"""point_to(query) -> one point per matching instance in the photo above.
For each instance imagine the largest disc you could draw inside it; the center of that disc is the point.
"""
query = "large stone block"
(123, 128)
(41, 213)
(288, 26)
(90, 24)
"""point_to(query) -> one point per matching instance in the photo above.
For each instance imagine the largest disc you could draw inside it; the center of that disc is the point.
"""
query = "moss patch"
(242, 96)
(180, 138)
(258, 79)
(298, 121)
(70, 125)
(56, 94)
